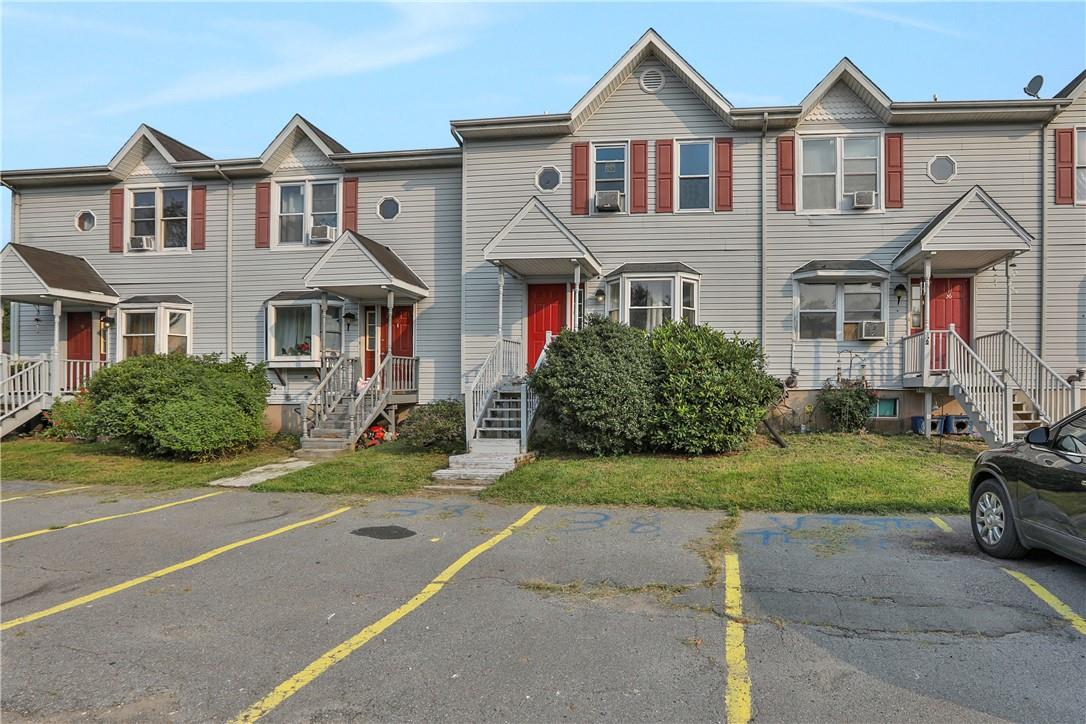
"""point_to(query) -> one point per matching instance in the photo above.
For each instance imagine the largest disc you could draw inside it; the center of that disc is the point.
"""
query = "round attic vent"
(652, 80)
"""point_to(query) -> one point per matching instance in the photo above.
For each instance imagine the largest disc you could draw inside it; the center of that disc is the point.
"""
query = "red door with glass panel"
(80, 348)
(546, 313)
(403, 334)
(951, 299)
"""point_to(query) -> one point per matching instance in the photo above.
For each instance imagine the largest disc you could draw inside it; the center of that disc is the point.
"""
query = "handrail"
(326, 395)
(482, 387)
(370, 398)
(78, 371)
(1051, 395)
(511, 358)
(24, 387)
(983, 387)
(405, 373)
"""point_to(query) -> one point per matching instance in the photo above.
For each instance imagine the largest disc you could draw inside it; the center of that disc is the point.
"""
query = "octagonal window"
(548, 178)
(84, 220)
(388, 208)
(942, 169)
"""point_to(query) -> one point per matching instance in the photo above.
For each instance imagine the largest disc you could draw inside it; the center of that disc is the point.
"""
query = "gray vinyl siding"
(722, 246)
(1065, 276)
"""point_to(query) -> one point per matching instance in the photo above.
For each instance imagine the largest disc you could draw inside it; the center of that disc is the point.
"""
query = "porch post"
(501, 300)
(576, 295)
(58, 363)
(390, 301)
(321, 324)
(926, 361)
(927, 414)
(1010, 294)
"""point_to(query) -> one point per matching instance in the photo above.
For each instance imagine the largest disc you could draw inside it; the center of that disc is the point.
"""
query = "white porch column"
(501, 300)
(927, 414)
(1010, 290)
(390, 300)
(926, 361)
(576, 295)
(58, 363)
(321, 324)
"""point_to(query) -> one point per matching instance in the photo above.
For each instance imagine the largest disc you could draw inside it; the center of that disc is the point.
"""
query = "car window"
(1072, 437)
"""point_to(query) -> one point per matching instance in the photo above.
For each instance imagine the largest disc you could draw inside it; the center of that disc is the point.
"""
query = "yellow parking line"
(91, 597)
(327, 660)
(43, 531)
(40, 495)
(941, 524)
(737, 693)
(1076, 621)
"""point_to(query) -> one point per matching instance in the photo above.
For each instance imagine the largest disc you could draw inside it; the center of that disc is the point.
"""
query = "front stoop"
(475, 470)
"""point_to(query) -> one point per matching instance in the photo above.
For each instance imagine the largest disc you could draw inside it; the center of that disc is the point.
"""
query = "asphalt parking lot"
(224, 605)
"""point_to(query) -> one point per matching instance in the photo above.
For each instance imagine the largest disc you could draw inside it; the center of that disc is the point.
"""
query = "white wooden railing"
(529, 400)
(512, 359)
(925, 352)
(371, 399)
(338, 382)
(504, 362)
(405, 374)
(76, 373)
(24, 382)
(990, 397)
(1052, 396)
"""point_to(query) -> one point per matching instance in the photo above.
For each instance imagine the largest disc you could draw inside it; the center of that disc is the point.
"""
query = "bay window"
(835, 168)
(295, 326)
(613, 301)
(147, 329)
(648, 300)
(303, 205)
(695, 159)
(836, 311)
(650, 303)
(158, 219)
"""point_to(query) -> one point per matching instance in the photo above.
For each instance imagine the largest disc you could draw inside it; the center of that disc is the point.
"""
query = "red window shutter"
(895, 171)
(786, 173)
(639, 177)
(116, 221)
(1065, 166)
(199, 217)
(263, 215)
(723, 174)
(580, 179)
(350, 205)
(665, 177)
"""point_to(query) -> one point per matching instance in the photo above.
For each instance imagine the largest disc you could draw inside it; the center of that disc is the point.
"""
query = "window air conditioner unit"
(872, 330)
(609, 201)
(141, 243)
(321, 234)
(863, 199)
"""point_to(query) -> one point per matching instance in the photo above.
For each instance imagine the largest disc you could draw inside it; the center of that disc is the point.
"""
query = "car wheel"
(992, 522)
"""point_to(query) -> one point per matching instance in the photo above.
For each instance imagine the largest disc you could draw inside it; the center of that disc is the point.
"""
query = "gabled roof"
(848, 73)
(177, 151)
(1074, 88)
(328, 145)
(171, 149)
(986, 235)
(30, 273)
(359, 267)
(535, 241)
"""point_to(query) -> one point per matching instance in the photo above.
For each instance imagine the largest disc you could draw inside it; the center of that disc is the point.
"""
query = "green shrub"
(72, 418)
(846, 404)
(595, 387)
(178, 406)
(712, 390)
(436, 426)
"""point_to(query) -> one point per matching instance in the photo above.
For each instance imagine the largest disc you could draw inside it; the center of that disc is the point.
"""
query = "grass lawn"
(106, 464)
(388, 469)
(816, 473)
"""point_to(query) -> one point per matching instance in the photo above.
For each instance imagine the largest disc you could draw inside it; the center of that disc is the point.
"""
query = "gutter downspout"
(229, 262)
(762, 232)
(1043, 338)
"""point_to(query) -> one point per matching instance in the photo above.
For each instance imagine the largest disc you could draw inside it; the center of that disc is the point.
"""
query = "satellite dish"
(1034, 86)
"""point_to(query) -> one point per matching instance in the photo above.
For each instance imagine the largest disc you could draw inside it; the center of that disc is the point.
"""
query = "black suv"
(1032, 494)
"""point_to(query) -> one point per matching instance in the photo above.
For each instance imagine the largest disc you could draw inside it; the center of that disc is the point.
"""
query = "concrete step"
(318, 443)
(329, 432)
(486, 460)
(495, 445)
(456, 486)
(487, 474)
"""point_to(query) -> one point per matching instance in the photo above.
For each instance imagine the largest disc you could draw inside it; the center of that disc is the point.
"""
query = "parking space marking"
(40, 495)
(331, 657)
(1076, 621)
(103, 519)
(942, 524)
(91, 597)
(737, 692)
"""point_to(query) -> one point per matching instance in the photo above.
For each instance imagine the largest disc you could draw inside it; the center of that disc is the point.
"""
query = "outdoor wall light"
(601, 295)
(899, 292)
(349, 318)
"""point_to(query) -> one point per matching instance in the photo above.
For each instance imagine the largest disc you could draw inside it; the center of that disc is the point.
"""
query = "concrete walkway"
(263, 473)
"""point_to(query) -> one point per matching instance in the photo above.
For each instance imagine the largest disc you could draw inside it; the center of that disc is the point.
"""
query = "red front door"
(403, 334)
(546, 313)
(950, 304)
(80, 347)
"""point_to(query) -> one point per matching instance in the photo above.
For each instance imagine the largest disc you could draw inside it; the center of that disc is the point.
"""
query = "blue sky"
(78, 78)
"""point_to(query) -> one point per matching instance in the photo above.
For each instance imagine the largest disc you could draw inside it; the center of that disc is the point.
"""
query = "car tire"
(992, 522)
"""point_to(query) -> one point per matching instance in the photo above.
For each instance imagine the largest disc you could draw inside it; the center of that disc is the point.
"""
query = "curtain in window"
(293, 331)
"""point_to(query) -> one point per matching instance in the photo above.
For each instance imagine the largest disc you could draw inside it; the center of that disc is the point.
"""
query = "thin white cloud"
(900, 20)
(416, 33)
(741, 98)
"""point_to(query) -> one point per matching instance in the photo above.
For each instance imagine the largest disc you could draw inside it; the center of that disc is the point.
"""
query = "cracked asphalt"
(582, 614)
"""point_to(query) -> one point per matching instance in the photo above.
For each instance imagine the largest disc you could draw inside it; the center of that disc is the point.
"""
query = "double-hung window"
(155, 329)
(1080, 166)
(695, 164)
(303, 205)
(836, 168)
(158, 219)
(836, 311)
(650, 303)
(614, 299)
(610, 167)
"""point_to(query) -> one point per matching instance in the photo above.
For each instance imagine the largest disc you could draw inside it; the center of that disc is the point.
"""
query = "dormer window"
(840, 173)
(158, 219)
(304, 205)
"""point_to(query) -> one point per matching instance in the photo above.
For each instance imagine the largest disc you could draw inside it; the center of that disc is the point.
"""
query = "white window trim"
(1075, 165)
(75, 220)
(880, 174)
(592, 146)
(316, 348)
(932, 160)
(162, 318)
(383, 199)
(158, 188)
(676, 279)
(307, 214)
(840, 311)
(711, 208)
(561, 178)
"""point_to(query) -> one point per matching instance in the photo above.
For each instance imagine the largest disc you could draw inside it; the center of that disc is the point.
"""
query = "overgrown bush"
(846, 404)
(437, 426)
(712, 390)
(596, 387)
(72, 418)
(178, 406)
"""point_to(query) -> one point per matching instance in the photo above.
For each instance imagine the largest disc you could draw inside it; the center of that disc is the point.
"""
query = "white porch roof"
(535, 242)
(359, 268)
(971, 234)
